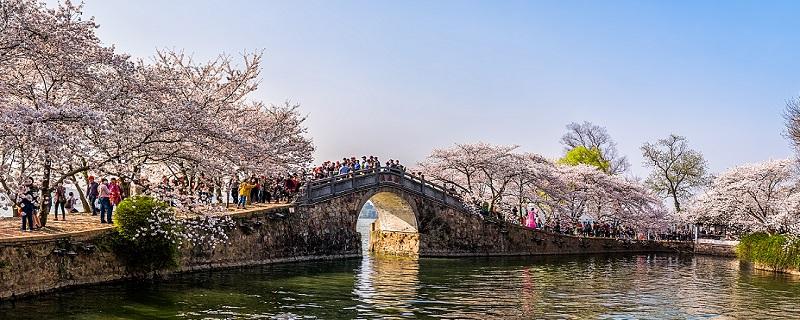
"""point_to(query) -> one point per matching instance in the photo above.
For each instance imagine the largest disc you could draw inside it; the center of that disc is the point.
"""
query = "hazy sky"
(398, 78)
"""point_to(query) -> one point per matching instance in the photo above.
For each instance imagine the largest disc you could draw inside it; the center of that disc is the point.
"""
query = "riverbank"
(771, 252)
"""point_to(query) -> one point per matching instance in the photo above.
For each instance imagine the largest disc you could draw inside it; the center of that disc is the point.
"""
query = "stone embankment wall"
(716, 248)
(259, 237)
(473, 236)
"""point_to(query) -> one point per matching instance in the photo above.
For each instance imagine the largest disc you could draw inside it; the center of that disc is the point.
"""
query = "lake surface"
(572, 287)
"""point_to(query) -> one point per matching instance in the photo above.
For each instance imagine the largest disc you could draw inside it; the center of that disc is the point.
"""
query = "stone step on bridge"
(419, 218)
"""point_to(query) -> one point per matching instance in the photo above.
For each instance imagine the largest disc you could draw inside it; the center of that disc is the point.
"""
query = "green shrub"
(777, 251)
(146, 240)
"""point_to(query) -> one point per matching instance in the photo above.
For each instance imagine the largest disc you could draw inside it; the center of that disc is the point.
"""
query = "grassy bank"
(779, 252)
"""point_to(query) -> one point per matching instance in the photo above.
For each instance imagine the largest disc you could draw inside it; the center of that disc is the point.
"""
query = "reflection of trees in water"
(759, 294)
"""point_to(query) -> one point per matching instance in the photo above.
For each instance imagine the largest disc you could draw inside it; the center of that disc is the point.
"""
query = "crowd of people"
(27, 203)
(350, 165)
(535, 219)
(104, 197)
(265, 189)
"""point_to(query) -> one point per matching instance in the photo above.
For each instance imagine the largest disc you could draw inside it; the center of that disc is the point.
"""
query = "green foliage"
(588, 156)
(777, 251)
(137, 242)
(677, 170)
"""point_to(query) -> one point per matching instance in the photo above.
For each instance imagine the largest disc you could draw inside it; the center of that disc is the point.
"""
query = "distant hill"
(368, 211)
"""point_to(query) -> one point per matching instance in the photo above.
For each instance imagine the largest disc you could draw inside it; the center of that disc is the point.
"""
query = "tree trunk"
(87, 207)
(125, 185)
(44, 201)
(81, 195)
(218, 190)
(677, 204)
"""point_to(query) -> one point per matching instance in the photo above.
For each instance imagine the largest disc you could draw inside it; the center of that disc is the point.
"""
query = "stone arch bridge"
(417, 217)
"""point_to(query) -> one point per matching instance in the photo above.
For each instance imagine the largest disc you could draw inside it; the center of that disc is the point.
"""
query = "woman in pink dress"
(531, 223)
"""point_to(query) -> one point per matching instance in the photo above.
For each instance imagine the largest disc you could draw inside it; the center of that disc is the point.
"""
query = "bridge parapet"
(324, 189)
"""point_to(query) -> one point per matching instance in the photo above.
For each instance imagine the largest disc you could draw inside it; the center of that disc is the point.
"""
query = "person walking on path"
(244, 192)
(60, 201)
(91, 192)
(103, 193)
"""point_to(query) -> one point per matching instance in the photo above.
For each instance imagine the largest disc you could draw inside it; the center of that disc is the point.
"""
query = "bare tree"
(792, 117)
(677, 169)
(590, 135)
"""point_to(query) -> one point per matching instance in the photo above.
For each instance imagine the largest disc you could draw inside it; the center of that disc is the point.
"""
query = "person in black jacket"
(27, 200)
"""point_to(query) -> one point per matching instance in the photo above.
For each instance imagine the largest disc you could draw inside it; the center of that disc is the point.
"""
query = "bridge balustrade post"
(333, 186)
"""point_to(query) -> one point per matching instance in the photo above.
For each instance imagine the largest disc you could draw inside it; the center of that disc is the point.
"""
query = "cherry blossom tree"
(54, 73)
(565, 193)
(477, 170)
(753, 197)
(69, 105)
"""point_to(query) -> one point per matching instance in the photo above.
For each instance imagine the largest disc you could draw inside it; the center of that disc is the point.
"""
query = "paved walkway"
(82, 223)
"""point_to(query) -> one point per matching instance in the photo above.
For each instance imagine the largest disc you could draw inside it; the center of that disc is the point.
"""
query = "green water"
(577, 287)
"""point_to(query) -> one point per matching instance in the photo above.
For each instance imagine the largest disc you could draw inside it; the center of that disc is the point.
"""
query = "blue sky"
(396, 79)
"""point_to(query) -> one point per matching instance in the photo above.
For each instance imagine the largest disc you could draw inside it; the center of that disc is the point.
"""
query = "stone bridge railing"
(323, 189)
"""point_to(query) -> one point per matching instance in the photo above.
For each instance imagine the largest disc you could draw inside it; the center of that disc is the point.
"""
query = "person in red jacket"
(115, 193)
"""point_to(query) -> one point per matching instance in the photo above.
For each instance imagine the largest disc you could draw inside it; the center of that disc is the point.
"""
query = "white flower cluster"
(160, 224)
(205, 231)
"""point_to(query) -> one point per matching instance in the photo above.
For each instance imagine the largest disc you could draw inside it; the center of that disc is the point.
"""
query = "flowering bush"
(147, 239)
(151, 235)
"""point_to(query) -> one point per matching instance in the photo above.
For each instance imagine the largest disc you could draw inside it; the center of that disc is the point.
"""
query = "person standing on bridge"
(345, 169)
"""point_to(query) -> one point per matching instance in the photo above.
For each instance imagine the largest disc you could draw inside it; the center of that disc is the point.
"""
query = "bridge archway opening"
(386, 212)
(394, 213)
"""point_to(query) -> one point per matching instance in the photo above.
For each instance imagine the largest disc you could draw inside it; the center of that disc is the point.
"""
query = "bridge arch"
(396, 229)
(395, 213)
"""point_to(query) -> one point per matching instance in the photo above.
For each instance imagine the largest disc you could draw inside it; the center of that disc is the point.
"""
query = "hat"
(91, 177)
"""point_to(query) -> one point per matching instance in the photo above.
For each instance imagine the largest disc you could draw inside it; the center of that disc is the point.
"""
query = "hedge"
(777, 251)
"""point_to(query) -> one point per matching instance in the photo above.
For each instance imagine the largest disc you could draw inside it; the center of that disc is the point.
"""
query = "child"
(71, 203)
